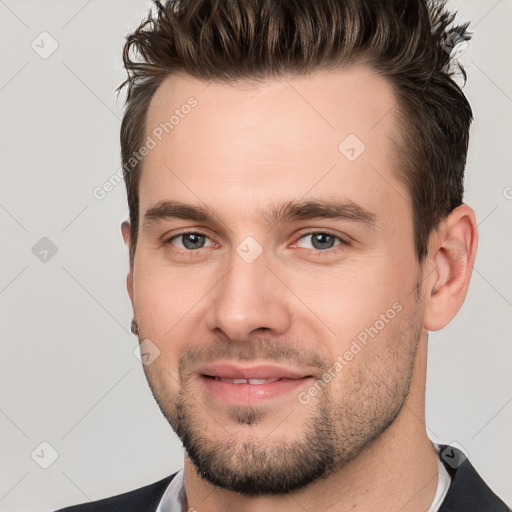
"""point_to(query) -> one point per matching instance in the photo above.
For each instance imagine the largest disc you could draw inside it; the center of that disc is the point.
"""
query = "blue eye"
(321, 241)
(190, 241)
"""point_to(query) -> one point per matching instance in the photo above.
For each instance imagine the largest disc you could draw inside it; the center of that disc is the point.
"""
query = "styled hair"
(409, 42)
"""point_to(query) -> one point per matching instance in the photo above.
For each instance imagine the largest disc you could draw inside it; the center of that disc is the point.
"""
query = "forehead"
(327, 131)
(331, 103)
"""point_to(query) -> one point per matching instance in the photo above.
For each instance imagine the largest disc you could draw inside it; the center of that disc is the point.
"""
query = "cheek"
(376, 356)
(164, 302)
(355, 297)
(164, 306)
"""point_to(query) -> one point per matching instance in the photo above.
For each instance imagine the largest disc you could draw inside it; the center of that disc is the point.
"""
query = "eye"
(319, 241)
(190, 241)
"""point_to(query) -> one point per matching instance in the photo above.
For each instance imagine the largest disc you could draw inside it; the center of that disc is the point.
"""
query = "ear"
(125, 230)
(452, 251)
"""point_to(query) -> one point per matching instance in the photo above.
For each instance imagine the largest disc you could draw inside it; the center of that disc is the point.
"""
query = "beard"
(255, 467)
(339, 424)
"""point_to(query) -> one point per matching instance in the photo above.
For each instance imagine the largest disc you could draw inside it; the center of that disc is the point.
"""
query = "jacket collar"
(467, 492)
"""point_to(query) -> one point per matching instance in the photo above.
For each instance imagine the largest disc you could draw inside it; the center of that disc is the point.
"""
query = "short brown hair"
(406, 41)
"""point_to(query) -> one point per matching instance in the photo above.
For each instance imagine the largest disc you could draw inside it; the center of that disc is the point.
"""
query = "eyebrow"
(166, 210)
(286, 212)
(308, 210)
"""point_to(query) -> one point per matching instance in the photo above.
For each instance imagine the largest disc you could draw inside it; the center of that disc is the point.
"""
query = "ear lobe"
(452, 254)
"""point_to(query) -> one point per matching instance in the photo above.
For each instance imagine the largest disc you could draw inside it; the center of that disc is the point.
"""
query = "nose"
(249, 299)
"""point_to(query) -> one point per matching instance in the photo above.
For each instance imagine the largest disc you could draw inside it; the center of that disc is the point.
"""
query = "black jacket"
(467, 492)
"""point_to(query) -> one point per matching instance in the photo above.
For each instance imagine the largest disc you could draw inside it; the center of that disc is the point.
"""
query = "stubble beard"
(334, 432)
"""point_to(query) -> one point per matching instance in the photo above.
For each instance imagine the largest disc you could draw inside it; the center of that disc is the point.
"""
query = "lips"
(237, 372)
(238, 384)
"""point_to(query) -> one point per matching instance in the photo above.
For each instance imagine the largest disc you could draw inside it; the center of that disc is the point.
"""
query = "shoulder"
(139, 500)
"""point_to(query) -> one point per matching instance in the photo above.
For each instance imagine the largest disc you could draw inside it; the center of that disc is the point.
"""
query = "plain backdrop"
(69, 377)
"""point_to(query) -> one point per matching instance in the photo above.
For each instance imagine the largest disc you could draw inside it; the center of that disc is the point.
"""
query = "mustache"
(267, 349)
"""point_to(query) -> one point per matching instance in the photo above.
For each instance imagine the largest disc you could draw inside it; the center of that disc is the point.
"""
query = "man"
(294, 174)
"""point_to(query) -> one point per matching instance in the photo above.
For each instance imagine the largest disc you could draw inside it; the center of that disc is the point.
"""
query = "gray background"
(68, 373)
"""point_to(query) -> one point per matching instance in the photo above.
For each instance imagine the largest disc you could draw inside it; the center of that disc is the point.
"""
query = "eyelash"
(316, 252)
(343, 243)
(168, 242)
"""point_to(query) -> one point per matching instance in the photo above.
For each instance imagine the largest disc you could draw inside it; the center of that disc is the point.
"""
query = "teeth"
(246, 381)
(234, 381)
(261, 381)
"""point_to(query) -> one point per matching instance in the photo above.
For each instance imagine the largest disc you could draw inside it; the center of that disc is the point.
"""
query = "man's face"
(257, 289)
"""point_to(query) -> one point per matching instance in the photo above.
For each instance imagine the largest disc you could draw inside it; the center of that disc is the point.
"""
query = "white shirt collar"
(174, 498)
(443, 483)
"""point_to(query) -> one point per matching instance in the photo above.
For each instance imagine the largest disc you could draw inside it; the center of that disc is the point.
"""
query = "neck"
(396, 471)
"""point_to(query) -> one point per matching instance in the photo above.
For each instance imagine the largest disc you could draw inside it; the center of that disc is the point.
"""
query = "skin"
(242, 149)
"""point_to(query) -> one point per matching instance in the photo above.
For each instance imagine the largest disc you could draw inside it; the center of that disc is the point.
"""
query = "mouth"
(236, 384)
(254, 382)
(228, 370)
